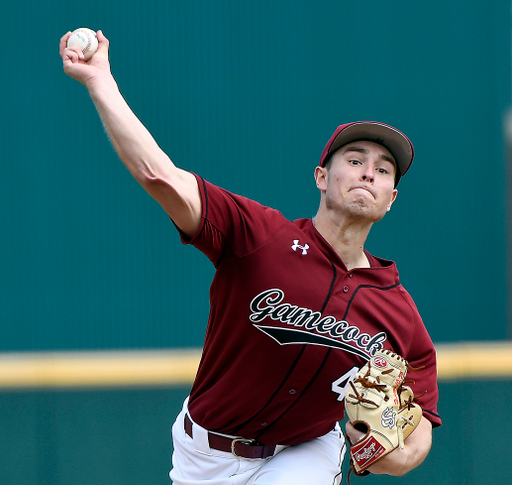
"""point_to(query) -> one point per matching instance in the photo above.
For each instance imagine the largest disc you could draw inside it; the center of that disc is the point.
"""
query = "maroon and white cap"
(394, 140)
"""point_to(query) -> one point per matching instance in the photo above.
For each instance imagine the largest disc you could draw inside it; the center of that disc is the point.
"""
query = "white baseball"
(85, 39)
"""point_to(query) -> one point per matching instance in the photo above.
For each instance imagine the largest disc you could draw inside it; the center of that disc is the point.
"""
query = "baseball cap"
(394, 140)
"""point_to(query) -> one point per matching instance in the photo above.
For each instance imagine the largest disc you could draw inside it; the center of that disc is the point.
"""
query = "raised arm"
(174, 189)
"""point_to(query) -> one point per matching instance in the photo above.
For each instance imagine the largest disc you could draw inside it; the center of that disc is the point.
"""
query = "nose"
(368, 173)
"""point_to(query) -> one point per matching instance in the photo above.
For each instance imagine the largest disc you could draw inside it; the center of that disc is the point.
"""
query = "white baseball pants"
(314, 462)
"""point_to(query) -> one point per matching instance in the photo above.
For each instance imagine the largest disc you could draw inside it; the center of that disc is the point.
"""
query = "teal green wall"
(246, 93)
(87, 437)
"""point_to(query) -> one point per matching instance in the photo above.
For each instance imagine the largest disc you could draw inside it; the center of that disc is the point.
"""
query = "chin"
(363, 211)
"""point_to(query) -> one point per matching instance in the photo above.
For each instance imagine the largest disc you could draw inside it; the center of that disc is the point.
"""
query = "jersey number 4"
(339, 386)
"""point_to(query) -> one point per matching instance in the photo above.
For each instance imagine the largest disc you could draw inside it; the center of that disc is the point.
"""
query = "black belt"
(240, 447)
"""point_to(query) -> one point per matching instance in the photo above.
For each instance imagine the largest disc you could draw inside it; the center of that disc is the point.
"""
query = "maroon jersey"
(289, 325)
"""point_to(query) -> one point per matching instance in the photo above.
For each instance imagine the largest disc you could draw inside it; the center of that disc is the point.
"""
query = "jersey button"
(345, 289)
(264, 424)
(292, 391)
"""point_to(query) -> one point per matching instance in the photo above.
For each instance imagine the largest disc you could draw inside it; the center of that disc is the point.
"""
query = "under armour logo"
(296, 246)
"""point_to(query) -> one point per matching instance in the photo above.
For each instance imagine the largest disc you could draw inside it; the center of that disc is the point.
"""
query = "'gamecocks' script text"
(269, 304)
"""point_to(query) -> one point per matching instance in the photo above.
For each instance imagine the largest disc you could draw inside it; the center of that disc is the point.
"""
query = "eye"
(382, 171)
(354, 161)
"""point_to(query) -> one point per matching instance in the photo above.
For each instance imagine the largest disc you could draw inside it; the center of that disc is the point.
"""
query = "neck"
(347, 239)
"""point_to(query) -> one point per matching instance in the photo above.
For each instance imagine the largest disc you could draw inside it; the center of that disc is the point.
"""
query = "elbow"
(150, 169)
(153, 184)
(151, 176)
(147, 178)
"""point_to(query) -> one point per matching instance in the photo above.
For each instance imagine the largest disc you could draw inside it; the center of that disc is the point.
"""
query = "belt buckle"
(240, 440)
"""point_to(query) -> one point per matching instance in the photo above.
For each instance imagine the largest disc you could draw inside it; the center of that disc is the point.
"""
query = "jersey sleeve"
(231, 225)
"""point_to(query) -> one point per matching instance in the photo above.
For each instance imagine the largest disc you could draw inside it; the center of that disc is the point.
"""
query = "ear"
(393, 198)
(321, 175)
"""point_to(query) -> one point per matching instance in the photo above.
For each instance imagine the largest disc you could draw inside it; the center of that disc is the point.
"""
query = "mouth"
(365, 188)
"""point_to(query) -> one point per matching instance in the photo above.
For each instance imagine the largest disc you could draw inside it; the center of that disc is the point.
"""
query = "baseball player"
(297, 307)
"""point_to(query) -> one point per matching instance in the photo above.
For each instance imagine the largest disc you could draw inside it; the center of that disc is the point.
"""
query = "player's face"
(360, 181)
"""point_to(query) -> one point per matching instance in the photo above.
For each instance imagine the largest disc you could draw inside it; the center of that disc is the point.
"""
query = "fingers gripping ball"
(379, 404)
(85, 39)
